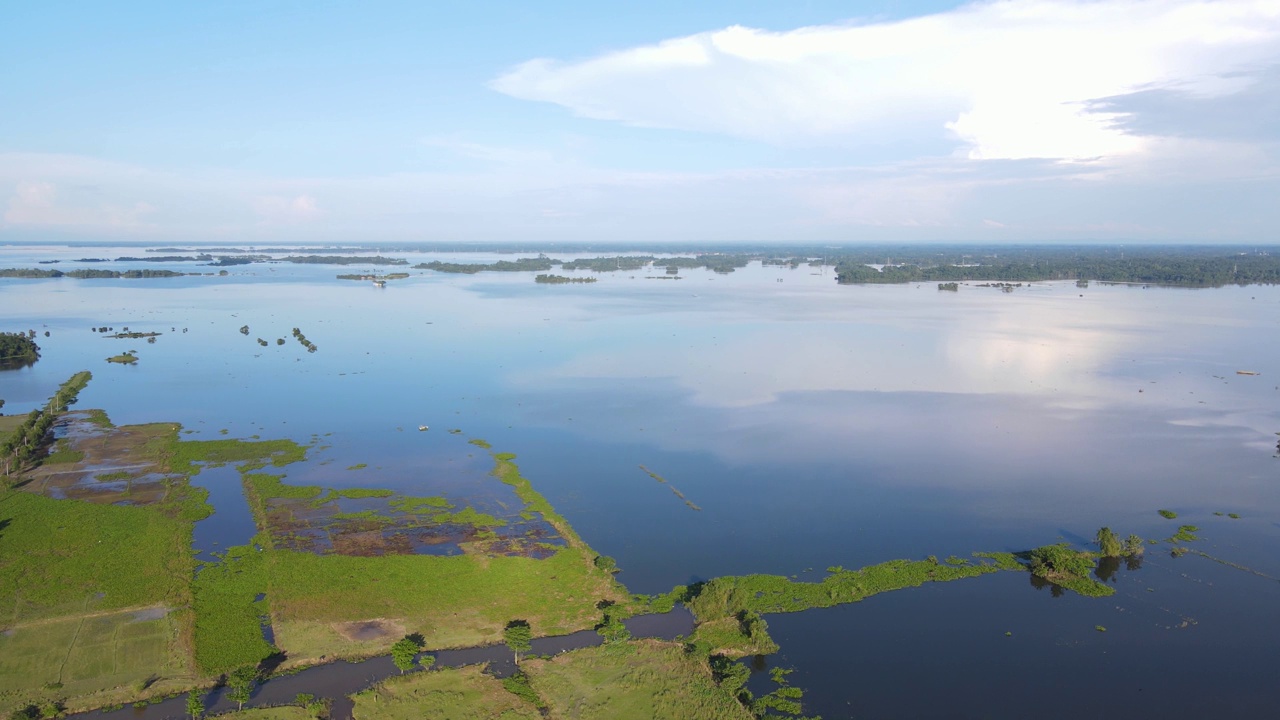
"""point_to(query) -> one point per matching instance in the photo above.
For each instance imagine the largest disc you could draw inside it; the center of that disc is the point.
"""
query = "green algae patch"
(465, 692)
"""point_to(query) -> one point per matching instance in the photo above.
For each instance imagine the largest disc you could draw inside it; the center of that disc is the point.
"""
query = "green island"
(375, 278)
(344, 260)
(18, 350)
(545, 279)
(102, 601)
(88, 274)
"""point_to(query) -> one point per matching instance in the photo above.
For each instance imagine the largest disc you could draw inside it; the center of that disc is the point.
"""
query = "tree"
(244, 329)
(1133, 546)
(518, 636)
(195, 705)
(240, 685)
(404, 653)
(1108, 543)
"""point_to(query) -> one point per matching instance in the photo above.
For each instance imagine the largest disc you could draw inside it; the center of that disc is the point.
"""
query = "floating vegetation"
(1066, 567)
(663, 480)
(1168, 514)
(1228, 563)
(1186, 533)
(128, 357)
(377, 521)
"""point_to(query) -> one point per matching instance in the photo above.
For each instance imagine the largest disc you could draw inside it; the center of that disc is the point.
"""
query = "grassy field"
(656, 681)
(88, 654)
(96, 597)
(454, 601)
(448, 694)
(67, 557)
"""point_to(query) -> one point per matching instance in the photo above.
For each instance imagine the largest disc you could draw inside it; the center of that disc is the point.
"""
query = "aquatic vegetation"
(1167, 514)
(229, 611)
(676, 492)
(1069, 568)
(128, 357)
(726, 596)
(1186, 533)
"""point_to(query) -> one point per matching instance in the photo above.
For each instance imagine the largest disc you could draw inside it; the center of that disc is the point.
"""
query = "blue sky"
(816, 122)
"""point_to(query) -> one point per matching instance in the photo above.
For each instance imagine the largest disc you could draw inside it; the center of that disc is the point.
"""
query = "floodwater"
(811, 424)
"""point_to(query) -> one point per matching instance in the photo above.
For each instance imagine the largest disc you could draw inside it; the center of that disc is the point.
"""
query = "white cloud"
(281, 209)
(1006, 79)
(37, 203)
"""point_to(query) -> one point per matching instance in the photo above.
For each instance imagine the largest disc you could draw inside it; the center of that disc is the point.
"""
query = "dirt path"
(83, 616)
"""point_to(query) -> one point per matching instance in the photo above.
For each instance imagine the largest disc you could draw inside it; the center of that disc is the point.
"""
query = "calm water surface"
(812, 424)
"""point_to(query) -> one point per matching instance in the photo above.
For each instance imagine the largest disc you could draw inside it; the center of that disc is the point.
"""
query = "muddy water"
(337, 680)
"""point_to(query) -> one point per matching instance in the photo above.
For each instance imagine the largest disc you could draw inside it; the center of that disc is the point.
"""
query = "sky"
(805, 121)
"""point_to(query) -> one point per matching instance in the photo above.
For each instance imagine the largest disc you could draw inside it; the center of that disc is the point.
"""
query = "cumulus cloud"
(1004, 80)
(37, 203)
(283, 209)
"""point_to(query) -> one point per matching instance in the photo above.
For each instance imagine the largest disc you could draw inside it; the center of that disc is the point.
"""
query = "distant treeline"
(521, 265)
(714, 262)
(166, 258)
(340, 260)
(1152, 266)
(87, 274)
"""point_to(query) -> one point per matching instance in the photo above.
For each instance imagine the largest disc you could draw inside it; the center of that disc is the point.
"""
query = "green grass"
(62, 454)
(57, 554)
(448, 694)
(87, 655)
(454, 601)
(415, 505)
(730, 636)
(507, 471)
(1167, 514)
(357, 493)
(1186, 533)
(184, 456)
(8, 423)
(656, 681)
(726, 596)
(99, 418)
